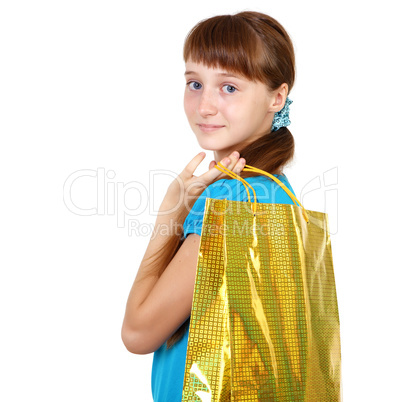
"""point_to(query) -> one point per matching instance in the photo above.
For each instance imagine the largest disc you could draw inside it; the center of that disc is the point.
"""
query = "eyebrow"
(220, 74)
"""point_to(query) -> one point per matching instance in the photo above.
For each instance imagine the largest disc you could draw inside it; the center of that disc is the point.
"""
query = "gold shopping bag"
(264, 323)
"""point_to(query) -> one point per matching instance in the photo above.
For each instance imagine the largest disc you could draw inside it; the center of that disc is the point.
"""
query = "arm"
(157, 306)
(168, 304)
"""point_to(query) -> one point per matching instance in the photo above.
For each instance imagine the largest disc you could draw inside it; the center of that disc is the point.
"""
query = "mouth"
(209, 127)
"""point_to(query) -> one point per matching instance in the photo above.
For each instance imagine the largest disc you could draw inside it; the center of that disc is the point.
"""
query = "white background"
(93, 87)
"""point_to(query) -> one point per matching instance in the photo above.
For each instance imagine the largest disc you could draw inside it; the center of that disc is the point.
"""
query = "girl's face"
(227, 111)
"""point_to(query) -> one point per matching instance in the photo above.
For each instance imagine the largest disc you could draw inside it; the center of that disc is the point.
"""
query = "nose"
(207, 104)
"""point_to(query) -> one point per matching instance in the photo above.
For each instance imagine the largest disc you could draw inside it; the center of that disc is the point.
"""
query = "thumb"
(192, 165)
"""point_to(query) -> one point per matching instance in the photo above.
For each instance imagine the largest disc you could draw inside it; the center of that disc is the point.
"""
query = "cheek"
(188, 104)
(238, 114)
(244, 119)
(251, 113)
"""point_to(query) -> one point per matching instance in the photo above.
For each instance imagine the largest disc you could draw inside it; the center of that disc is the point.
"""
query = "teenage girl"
(239, 70)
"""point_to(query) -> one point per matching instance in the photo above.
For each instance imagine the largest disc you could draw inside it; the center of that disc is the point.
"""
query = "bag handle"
(249, 168)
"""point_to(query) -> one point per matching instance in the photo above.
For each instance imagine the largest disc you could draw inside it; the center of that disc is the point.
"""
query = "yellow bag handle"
(249, 168)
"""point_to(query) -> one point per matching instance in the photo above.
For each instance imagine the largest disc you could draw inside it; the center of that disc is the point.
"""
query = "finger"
(193, 164)
(212, 164)
(234, 157)
(239, 166)
(213, 173)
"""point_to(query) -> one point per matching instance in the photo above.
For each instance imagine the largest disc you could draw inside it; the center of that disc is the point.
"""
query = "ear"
(279, 98)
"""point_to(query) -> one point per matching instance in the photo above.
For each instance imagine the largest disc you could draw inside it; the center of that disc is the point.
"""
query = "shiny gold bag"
(264, 322)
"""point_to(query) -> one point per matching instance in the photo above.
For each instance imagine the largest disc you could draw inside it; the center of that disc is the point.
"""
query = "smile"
(209, 127)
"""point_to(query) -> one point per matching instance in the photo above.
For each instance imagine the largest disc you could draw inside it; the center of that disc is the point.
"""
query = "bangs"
(227, 42)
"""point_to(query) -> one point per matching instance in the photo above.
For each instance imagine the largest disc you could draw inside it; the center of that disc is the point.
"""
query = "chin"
(210, 145)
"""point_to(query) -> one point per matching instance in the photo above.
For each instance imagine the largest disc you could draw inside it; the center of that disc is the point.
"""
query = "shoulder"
(269, 191)
(220, 189)
(266, 189)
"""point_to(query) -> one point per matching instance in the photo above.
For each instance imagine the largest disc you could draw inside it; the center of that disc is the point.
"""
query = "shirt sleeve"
(194, 221)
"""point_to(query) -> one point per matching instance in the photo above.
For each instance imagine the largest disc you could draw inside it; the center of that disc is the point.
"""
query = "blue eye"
(196, 85)
(231, 89)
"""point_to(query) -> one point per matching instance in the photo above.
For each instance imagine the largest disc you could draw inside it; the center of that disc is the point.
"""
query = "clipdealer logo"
(110, 198)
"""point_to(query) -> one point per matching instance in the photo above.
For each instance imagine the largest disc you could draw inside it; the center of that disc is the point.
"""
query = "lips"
(209, 127)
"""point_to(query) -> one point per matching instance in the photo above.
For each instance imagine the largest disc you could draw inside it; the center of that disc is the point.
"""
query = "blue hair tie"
(281, 118)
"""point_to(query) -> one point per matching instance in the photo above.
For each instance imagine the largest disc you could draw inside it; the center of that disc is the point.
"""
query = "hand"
(192, 186)
(232, 162)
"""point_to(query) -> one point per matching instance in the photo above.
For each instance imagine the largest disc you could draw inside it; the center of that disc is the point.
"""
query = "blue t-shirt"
(169, 365)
